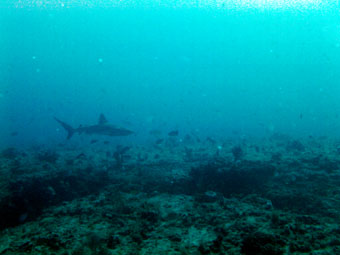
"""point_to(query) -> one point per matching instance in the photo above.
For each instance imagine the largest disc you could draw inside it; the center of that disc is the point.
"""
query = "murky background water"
(216, 68)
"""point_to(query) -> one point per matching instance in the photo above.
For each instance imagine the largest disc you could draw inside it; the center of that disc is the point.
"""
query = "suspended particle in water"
(100, 60)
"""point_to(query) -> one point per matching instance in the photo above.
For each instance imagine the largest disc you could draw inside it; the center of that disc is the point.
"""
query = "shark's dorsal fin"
(102, 120)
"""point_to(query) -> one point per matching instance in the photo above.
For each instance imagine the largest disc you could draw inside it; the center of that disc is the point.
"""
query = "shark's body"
(102, 128)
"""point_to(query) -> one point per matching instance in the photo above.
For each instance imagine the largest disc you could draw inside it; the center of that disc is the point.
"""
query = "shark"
(101, 128)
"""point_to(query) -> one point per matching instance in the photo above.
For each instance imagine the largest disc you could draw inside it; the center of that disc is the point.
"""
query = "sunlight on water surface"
(219, 4)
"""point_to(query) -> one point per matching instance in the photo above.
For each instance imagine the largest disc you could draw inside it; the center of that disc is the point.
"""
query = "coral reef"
(272, 196)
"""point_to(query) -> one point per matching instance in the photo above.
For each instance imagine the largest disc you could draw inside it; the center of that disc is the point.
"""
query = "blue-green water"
(214, 70)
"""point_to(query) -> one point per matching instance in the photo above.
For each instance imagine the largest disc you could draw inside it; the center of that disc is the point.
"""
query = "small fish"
(159, 141)
(211, 140)
(15, 133)
(173, 133)
(187, 137)
(80, 156)
(23, 217)
(93, 141)
(122, 149)
(106, 142)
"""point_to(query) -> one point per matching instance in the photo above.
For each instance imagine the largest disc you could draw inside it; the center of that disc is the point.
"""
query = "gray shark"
(102, 128)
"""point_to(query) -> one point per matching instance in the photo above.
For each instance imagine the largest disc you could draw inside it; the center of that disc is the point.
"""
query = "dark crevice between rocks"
(242, 178)
(229, 179)
(29, 197)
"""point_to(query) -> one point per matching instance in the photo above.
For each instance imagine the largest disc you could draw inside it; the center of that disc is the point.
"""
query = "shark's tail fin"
(70, 130)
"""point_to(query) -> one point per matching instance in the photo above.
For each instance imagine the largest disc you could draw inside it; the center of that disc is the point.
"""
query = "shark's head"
(125, 132)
